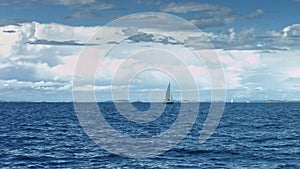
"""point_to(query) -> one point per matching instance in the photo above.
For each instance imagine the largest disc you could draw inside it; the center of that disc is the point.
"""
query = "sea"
(249, 135)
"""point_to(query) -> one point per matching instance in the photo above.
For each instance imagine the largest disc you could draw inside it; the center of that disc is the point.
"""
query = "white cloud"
(14, 84)
(214, 20)
(188, 7)
(71, 2)
(231, 40)
(84, 4)
(206, 15)
(7, 40)
(256, 14)
(38, 60)
(287, 37)
(290, 31)
(59, 32)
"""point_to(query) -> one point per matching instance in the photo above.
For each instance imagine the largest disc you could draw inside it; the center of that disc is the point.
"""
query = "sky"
(256, 43)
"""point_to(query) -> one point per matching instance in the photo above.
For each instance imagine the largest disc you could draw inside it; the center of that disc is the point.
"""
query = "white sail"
(168, 93)
(169, 98)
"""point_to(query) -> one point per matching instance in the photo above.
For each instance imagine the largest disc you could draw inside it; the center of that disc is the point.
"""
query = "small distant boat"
(168, 99)
(122, 101)
(138, 101)
(185, 101)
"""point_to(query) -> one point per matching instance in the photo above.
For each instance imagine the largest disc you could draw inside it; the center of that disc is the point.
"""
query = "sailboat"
(168, 99)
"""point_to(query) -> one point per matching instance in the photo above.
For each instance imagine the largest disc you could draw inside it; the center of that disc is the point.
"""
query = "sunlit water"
(48, 135)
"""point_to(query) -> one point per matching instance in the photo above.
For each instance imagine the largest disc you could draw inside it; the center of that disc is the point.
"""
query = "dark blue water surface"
(48, 135)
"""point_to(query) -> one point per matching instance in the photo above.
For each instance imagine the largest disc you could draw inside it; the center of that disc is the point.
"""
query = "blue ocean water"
(49, 135)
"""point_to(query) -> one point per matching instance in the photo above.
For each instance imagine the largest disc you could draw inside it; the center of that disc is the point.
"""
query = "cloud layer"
(40, 59)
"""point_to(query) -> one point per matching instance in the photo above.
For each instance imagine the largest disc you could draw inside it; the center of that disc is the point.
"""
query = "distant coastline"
(139, 101)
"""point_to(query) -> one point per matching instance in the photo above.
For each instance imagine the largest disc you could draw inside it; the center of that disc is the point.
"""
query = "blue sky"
(257, 43)
(276, 14)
